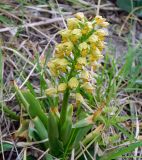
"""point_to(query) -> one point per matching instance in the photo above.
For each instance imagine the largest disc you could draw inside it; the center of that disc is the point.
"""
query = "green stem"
(64, 106)
(65, 100)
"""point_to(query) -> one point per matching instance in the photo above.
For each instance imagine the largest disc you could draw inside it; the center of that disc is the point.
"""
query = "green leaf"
(5, 20)
(34, 108)
(129, 5)
(41, 130)
(67, 125)
(80, 135)
(5, 147)
(33, 134)
(126, 5)
(83, 123)
(118, 152)
(56, 146)
(93, 134)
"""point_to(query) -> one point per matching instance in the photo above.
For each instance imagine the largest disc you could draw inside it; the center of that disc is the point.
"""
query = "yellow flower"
(68, 46)
(80, 16)
(73, 83)
(62, 87)
(100, 45)
(105, 24)
(93, 39)
(72, 23)
(52, 68)
(61, 62)
(51, 91)
(101, 33)
(65, 34)
(84, 48)
(81, 61)
(75, 35)
(95, 55)
(85, 75)
(99, 19)
(79, 98)
(96, 65)
(87, 87)
(87, 28)
(59, 51)
(57, 64)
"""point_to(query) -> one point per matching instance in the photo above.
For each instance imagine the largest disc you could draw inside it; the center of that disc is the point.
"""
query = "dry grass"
(28, 31)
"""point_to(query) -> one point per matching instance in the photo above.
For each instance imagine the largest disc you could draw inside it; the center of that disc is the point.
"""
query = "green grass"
(118, 84)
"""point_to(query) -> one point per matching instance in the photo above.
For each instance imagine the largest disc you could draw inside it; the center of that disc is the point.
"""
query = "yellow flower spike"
(87, 28)
(50, 91)
(75, 35)
(72, 23)
(93, 39)
(62, 87)
(73, 83)
(84, 48)
(79, 98)
(85, 76)
(65, 34)
(87, 87)
(68, 47)
(80, 16)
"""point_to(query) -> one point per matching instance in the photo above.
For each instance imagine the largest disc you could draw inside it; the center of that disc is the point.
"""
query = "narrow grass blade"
(120, 151)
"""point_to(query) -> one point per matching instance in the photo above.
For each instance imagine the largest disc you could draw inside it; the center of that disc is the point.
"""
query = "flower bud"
(65, 34)
(73, 83)
(84, 48)
(81, 61)
(72, 23)
(51, 91)
(101, 33)
(85, 75)
(87, 87)
(80, 16)
(75, 35)
(87, 28)
(62, 87)
(93, 39)
(79, 98)
(68, 46)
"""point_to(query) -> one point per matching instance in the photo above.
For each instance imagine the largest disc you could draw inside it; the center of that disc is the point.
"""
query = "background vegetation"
(28, 30)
